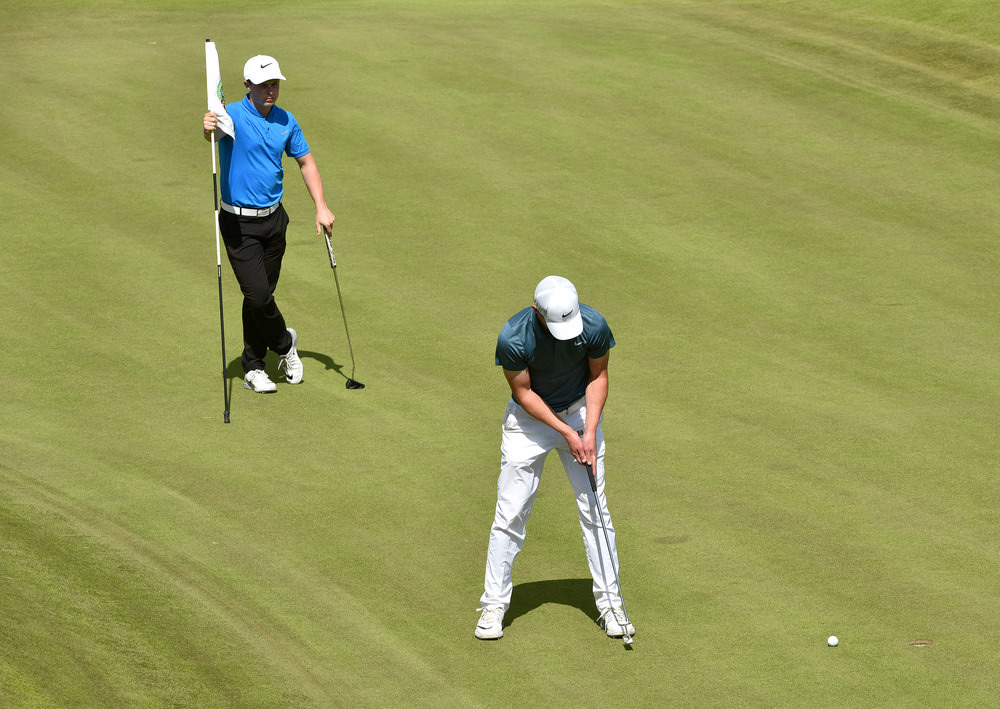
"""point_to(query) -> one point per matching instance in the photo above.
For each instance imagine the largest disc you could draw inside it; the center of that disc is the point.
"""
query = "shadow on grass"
(234, 370)
(575, 593)
(323, 359)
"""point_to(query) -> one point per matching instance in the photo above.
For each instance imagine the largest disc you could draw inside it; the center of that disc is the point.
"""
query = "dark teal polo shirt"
(559, 369)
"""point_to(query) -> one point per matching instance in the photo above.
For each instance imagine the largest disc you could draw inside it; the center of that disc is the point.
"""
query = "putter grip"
(329, 249)
(590, 472)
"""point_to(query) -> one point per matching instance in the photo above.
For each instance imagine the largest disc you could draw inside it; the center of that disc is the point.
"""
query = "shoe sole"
(259, 391)
(489, 637)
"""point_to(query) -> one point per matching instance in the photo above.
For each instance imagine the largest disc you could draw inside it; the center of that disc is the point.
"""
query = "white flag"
(216, 100)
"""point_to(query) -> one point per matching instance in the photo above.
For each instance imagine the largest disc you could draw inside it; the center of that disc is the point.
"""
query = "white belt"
(574, 407)
(250, 211)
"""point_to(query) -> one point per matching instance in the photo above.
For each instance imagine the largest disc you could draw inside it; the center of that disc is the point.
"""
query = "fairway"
(786, 210)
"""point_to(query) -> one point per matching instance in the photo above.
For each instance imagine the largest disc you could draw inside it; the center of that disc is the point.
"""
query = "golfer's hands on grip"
(324, 221)
(583, 448)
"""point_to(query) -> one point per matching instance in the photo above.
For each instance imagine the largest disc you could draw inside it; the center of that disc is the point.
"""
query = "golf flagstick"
(215, 104)
(627, 638)
(352, 383)
(218, 265)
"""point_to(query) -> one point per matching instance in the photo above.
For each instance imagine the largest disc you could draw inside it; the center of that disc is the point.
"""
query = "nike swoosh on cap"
(263, 66)
(566, 315)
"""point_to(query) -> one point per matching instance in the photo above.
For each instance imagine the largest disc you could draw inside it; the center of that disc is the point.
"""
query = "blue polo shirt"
(251, 173)
(559, 369)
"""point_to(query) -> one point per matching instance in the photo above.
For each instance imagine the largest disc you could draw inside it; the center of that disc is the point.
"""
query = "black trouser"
(255, 246)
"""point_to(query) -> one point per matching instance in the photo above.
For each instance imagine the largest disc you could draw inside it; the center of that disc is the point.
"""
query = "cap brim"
(263, 78)
(566, 329)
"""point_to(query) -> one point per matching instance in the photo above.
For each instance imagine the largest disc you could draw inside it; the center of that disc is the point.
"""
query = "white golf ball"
(832, 641)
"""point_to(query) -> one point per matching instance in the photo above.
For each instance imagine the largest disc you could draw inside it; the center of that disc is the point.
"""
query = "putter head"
(628, 641)
(354, 384)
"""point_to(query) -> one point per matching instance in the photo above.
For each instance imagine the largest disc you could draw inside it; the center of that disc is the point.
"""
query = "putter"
(627, 638)
(352, 383)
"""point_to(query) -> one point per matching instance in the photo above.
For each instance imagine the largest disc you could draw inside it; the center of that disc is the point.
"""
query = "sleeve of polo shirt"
(602, 339)
(297, 145)
(508, 354)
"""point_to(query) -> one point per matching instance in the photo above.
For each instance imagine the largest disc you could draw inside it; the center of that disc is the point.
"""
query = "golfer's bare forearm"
(596, 397)
(534, 405)
(312, 178)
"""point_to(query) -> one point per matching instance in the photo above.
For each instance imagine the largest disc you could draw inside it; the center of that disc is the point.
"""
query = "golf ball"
(832, 641)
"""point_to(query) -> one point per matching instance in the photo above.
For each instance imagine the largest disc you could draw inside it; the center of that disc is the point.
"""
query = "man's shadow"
(323, 359)
(234, 369)
(575, 593)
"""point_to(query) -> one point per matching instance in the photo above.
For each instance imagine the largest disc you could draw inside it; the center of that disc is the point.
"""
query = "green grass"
(787, 212)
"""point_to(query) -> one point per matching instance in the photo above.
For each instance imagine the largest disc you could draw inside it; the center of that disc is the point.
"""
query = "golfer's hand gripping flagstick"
(627, 638)
(214, 86)
(352, 383)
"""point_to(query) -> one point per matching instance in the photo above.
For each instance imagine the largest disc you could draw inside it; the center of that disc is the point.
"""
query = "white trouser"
(525, 444)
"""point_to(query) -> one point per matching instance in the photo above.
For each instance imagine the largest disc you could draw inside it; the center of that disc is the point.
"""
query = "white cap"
(261, 68)
(559, 305)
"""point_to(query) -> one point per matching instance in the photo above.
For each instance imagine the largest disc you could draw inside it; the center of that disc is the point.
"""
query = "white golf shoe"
(490, 626)
(290, 361)
(258, 381)
(615, 624)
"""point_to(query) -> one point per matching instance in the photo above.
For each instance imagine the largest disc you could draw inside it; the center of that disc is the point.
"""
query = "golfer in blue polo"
(253, 221)
(555, 358)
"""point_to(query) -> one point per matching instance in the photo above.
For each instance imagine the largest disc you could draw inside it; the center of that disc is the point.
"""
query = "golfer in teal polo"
(253, 221)
(554, 356)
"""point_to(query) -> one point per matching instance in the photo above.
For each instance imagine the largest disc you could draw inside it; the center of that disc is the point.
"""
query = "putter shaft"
(352, 383)
(627, 638)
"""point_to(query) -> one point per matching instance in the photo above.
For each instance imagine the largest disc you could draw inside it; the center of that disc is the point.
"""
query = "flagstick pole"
(218, 263)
